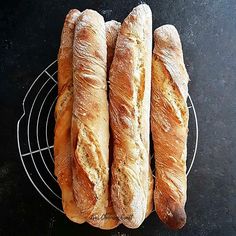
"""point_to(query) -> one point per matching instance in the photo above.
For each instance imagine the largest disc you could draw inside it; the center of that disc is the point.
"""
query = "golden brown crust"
(130, 77)
(112, 30)
(63, 110)
(169, 126)
(149, 209)
(90, 122)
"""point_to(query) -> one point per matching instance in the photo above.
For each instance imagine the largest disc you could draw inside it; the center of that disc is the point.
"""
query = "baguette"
(63, 110)
(112, 30)
(130, 78)
(90, 122)
(169, 126)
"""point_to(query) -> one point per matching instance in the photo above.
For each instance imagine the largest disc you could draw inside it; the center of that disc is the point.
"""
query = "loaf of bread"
(169, 126)
(90, 122)
(112, 30)
(63, 111)
(130, 80)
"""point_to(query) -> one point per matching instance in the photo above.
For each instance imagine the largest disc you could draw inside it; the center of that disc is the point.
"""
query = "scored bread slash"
(169, 126)
(90, 122)
(130, 80)
(63, 111)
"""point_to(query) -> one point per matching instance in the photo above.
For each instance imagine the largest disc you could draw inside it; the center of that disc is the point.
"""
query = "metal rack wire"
(35, 135)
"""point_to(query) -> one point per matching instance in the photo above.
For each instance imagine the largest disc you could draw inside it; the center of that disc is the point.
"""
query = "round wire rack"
(35, 133)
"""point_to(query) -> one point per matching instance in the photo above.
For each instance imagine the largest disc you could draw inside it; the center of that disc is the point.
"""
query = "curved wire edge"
(196, 139)
(18, 139)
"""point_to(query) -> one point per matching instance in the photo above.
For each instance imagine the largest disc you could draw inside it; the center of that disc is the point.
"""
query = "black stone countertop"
(29, 39)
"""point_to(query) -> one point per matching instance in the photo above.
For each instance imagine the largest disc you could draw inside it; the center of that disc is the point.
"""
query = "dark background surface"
(30, 33)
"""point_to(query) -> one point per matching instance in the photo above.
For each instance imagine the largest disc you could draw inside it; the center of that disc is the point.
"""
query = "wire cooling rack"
(35, 132)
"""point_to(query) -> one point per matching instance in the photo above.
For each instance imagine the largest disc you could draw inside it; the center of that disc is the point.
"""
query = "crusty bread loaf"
(63, 111)
(130, 78)
(169, 126)
(90, 122)
(112, 30)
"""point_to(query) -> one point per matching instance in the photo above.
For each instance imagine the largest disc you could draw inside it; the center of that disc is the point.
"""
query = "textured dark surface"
(30, 33)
